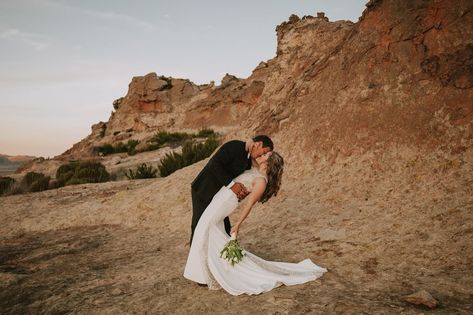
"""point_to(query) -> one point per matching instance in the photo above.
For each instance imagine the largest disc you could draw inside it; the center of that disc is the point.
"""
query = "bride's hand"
(235, 230)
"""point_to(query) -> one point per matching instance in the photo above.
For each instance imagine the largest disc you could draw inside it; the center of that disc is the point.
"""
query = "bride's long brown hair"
(274, 172)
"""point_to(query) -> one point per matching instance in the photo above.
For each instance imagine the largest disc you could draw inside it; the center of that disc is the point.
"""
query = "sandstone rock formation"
(401, 75)
(374, 119)
(397, 76)
(161, 103)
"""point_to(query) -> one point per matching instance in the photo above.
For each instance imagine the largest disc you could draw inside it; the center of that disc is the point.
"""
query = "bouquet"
(232, 251)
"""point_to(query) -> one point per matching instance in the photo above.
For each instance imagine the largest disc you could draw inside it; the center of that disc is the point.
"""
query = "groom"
(232, 159)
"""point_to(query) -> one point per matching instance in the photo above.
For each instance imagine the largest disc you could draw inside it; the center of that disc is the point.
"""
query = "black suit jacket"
(227, 163)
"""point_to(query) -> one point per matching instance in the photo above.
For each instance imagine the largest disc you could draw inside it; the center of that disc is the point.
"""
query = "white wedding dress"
(252, 275)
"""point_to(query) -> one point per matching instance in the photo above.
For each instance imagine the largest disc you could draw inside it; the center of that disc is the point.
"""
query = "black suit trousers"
(198, 207)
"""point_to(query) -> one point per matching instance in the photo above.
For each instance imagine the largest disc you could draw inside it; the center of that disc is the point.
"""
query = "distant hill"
(9, 159)
(9, 164)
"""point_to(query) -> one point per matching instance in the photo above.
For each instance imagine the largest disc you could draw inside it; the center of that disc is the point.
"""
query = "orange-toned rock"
(421, 298)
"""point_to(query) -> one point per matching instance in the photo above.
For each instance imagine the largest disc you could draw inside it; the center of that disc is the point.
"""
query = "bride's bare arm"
(258, 189)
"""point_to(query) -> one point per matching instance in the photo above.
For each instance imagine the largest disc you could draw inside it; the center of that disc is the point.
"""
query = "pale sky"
(63, 62)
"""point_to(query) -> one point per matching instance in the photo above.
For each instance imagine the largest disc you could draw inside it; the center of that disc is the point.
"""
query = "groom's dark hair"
(267, 142)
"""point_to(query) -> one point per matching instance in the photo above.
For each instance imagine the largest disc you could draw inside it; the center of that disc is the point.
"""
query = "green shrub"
(5, 184)
(194, 152)
(131, 145)
(191, 152)
(170, 163)
(177, 138)
(206, 133)
(81, 172)
(105, 149)
(40, 184)
(120, 147)
(65, 172)
(34, 181)
(142, 171)
(31, 177)
(164, 137)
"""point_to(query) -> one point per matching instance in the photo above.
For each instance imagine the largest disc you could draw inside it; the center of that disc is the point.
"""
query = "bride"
(252, 275)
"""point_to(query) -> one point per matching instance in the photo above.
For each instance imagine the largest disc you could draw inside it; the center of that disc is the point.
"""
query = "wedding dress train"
(252, 275)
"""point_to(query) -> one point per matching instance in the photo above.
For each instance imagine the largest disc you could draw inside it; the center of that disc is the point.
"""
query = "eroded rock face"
(155, 103)
(401, 75)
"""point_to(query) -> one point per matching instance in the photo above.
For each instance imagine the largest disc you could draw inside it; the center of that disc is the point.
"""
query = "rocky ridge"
(157, 103)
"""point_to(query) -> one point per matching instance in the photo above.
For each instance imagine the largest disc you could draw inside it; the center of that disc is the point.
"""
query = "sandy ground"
(384, 226)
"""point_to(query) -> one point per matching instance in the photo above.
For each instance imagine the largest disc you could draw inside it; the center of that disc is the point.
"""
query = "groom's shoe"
(201, 284)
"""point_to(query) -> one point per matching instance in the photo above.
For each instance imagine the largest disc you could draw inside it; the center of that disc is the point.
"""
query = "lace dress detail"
(247, 178)
(252, 275)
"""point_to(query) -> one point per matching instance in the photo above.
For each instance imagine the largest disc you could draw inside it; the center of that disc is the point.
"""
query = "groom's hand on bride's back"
(240, 190)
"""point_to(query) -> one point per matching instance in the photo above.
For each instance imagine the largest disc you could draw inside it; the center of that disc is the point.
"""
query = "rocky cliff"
(166, 104)
(374, 119)
(401, 75)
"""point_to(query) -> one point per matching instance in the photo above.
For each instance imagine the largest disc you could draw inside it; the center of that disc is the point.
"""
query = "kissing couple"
(239, 170)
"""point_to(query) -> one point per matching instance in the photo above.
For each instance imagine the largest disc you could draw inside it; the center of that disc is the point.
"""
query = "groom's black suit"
(227, 163)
